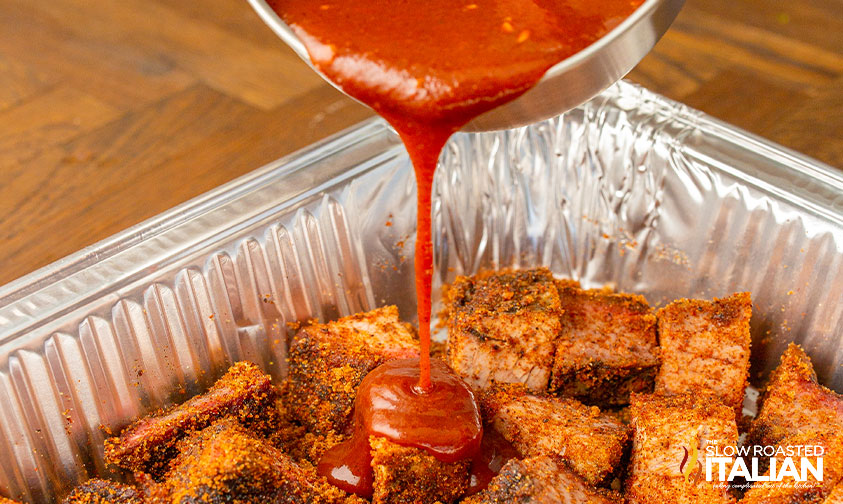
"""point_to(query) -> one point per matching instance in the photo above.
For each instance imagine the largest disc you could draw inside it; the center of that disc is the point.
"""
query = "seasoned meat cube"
(621, 414)
(4, 500)
(502, 327)
(408, 475)
(705, 344)
(666, 429)
(227, 463)
(540, 480)
(244, 392)
(293, 439)
(788, 490)
(590, 442)
(836, 495)
(97, 491)
(328, 362)
(794, 402)
(607, 347)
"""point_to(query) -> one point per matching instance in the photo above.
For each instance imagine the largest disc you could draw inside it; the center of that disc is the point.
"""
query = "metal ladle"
(567, 84)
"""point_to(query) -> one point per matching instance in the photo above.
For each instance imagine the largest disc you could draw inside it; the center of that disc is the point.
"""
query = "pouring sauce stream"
(429, 67)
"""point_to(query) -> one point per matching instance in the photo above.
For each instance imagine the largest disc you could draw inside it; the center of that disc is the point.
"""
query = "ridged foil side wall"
(629, 189)
(628, 196)
(164, 341)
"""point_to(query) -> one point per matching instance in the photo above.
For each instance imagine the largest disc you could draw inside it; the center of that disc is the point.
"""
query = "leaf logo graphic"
(690, 463)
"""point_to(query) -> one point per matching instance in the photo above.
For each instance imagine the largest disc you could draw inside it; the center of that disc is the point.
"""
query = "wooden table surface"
(113, 111)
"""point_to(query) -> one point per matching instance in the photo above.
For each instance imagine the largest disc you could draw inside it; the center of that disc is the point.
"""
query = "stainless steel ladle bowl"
(568, 83)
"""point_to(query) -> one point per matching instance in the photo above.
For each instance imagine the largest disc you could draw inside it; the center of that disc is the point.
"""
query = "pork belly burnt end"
(705, 344)
(540, 480)
(227, 463)
(789, 490)
(502, 327)
(665, 429)
(244, 393)
(328, 362)
(607, 348)
(836, 495)
(4, 500)
(97, 491)
(794, 402)
(408, 475)
(590, 442)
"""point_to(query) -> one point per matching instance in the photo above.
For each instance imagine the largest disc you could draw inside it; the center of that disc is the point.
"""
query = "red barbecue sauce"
(495, 451)
(429, 67)
(444, 421)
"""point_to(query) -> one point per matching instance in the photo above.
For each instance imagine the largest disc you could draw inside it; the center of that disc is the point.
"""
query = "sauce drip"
(495, 451)
(430, 66)
(443, 420)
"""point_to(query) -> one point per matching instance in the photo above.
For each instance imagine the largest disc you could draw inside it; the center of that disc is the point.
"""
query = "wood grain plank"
(776, 57)
(202, 149)
(19, 81)
(234, 16)
(265, 136)
(815, 126)
(746, 100)
(816, 22)
(82, 172)
(264, 76)
(114, 71)
(45, 120)
(673, 77)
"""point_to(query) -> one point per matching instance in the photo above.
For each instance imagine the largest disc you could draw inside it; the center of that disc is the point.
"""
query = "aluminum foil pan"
(629, 189)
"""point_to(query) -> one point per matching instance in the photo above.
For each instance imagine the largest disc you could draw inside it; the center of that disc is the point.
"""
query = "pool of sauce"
(443, 420)
(429, 67)
(494, 452)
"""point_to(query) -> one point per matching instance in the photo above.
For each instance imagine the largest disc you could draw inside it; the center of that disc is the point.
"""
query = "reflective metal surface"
(629, 189)
(567, 84)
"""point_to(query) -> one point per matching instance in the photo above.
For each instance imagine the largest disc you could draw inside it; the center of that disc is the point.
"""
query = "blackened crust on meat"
(97, 491)
(244, 393)
(590, 442)
(607, 348)
(328, 362)
(540, 480)
(502, 327)
(408, 475)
